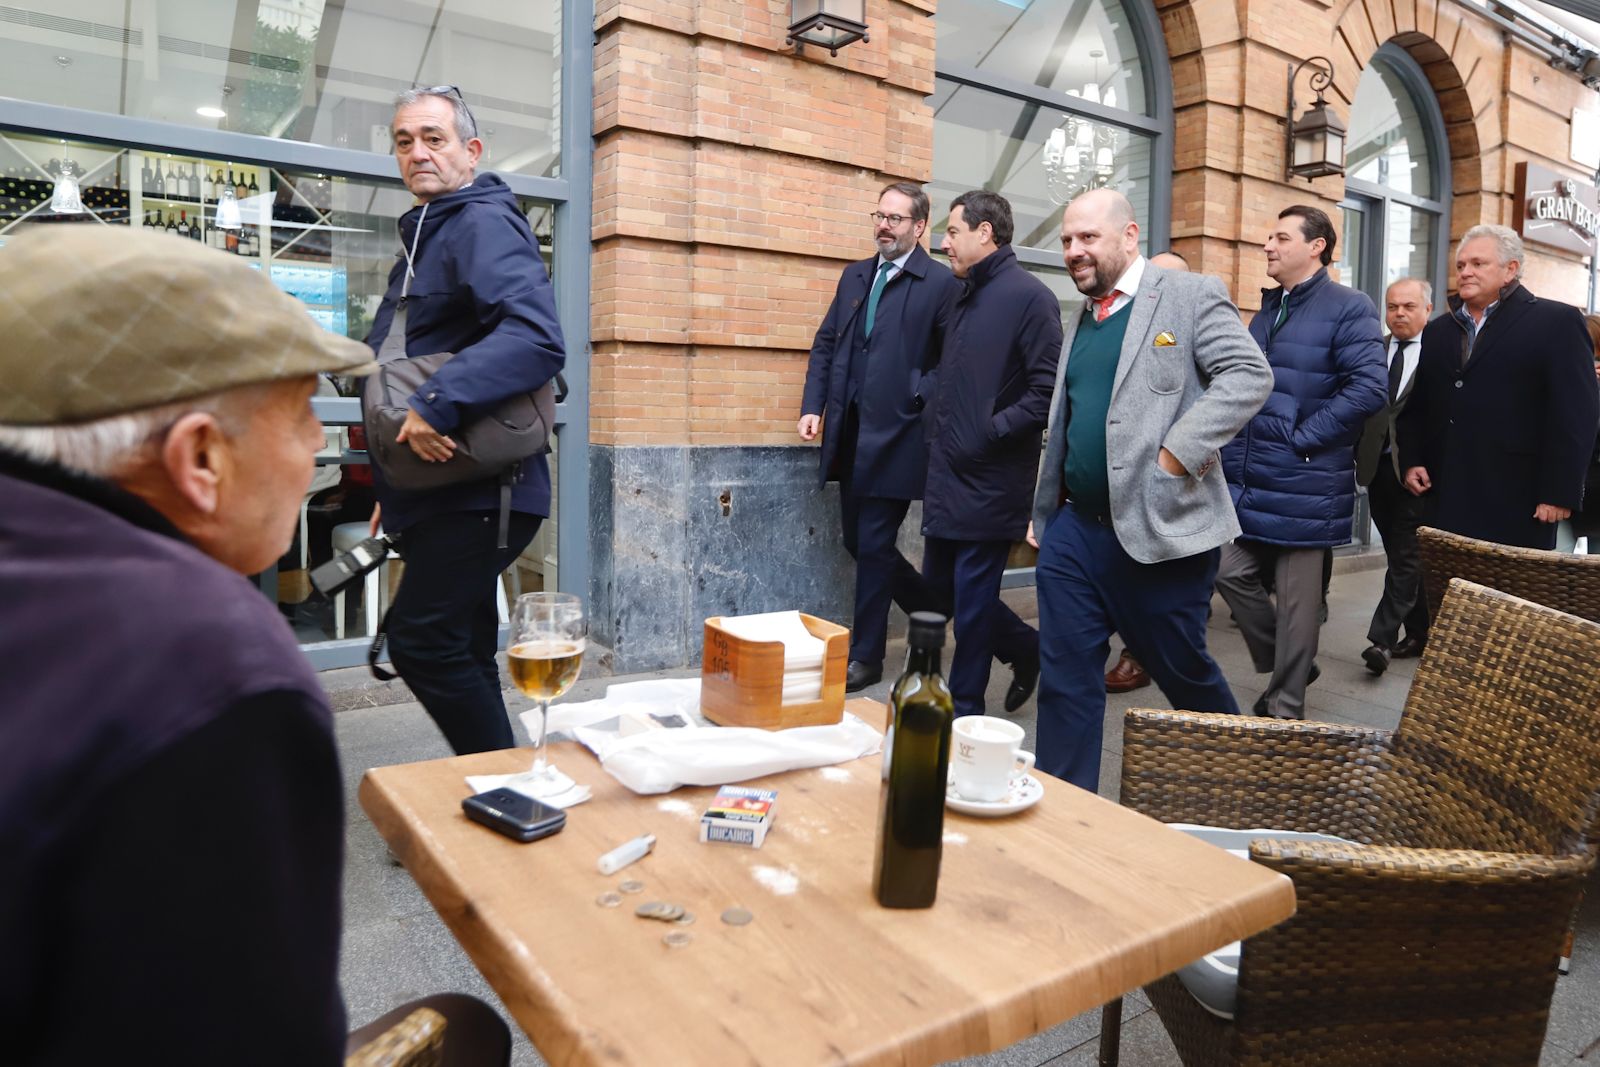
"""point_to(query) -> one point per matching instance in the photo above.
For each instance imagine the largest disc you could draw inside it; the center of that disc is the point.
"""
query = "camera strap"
(375, 651)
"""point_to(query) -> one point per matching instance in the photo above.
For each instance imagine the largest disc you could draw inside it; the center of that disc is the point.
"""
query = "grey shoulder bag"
(490, 446)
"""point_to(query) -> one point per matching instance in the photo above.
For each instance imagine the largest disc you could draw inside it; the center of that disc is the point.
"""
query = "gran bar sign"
(1554, 210)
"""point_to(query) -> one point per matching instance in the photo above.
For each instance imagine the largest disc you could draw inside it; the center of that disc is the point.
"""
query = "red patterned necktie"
(1102, 307)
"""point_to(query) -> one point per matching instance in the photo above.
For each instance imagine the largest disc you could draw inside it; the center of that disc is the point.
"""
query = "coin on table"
(671, 913)
(737, 917)
(686, 919)
(652, 910)
(608, 900)
(632, 885)
(676, 938)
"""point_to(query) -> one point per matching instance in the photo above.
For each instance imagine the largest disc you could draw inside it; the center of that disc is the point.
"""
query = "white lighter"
(626, 853)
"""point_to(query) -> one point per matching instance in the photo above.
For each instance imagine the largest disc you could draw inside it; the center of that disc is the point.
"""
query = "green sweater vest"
(1091, 371)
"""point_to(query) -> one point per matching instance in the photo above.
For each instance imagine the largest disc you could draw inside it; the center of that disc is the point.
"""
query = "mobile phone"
(509, 812)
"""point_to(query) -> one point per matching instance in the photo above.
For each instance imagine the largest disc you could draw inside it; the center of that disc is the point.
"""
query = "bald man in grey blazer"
(1155, 376)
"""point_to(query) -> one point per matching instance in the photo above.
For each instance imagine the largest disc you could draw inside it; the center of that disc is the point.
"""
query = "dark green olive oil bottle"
(916, 761)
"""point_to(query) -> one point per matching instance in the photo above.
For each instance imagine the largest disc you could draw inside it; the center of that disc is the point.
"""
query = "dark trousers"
(871, 527)
(1397, 514)
(443, 627)
(966, 576)
(1088, 588)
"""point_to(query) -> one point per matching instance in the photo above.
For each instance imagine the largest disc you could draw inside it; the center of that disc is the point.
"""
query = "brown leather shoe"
(1127, 675)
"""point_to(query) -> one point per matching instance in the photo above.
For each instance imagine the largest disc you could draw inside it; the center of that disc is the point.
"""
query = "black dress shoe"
(1024, 676)
(1410, 648)
(1376, 657)
(859, 675)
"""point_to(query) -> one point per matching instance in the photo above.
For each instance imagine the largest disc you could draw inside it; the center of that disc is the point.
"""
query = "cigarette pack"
(739, 816)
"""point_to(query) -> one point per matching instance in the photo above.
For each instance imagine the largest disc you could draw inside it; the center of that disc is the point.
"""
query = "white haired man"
(171, 810)
(1501, 422)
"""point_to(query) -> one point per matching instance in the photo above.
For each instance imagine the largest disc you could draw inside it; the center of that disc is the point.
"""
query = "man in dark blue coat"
(1292, 469)
(1501, 424)
(479, 289)
(987, 405)
(882, 332)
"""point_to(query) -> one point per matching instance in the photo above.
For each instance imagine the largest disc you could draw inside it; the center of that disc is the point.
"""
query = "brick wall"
(732, 181)
(1502, 104)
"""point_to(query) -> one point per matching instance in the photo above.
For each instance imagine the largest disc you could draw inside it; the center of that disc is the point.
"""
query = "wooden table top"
(1040, 916)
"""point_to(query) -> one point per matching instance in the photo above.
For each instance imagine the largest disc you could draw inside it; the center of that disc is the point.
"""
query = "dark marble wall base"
(677, 534)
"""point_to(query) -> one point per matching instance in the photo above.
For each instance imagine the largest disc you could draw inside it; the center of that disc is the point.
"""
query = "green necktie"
(877, 290)
(1283, 313)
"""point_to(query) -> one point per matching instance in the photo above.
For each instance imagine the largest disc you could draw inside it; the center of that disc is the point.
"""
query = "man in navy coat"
(881, 334)
(1501, 423)
(1291, 470)
(479, 289)
(987, 407)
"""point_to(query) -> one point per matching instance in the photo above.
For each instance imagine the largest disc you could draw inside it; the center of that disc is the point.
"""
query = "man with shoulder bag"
(468, 325)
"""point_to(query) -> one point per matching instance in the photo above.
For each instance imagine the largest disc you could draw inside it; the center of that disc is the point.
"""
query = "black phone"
(519, 817)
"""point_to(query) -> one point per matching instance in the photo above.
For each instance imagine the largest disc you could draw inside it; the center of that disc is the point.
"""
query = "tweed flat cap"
(101, 320)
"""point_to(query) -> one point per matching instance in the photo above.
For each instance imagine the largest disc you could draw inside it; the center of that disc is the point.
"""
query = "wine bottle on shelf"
(160, 187)
(149, 223)
(146, 178)
(183, 224)
(254, 189)
(158, 223)
(194, 231)
(916, 767)
(172, 224)
(231, 241)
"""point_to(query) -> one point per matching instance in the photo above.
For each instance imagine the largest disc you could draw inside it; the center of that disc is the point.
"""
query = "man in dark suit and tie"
(881, 334)
(1498, 432)
(1407, 307)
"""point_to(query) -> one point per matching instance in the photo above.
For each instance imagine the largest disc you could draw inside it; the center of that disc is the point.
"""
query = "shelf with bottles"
(190, 180)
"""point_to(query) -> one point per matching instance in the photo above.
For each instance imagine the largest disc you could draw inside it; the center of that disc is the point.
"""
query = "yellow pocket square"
(1164, 339)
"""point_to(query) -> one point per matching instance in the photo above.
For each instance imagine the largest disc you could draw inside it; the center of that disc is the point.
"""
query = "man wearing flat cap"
(171, 817)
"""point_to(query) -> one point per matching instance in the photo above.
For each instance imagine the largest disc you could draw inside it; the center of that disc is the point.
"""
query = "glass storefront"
(323, 72)
(261, 128)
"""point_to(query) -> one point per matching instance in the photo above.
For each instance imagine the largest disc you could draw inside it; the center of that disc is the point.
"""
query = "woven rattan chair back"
(1499, 746)
(1557, 580)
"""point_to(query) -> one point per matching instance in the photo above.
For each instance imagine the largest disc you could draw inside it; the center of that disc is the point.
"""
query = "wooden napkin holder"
(741, 682)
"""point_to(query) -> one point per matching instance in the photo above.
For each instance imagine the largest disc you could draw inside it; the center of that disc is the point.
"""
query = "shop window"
(318, 71)
(1085, 48)
(987, 140)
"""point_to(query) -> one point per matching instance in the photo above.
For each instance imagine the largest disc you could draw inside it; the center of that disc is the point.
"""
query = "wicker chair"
(1555, 579)
(1434, 939)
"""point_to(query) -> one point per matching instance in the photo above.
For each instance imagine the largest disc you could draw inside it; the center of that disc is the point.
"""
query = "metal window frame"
(572, 195)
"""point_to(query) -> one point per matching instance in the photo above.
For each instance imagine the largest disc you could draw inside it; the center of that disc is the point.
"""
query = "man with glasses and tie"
(1395, 511)
(880, 335)
(468, 279)
(1291, 470)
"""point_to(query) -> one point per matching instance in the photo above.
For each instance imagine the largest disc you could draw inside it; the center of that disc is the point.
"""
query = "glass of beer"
(545, 653)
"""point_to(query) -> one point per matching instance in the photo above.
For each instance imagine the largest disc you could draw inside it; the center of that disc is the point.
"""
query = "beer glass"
(545, 653)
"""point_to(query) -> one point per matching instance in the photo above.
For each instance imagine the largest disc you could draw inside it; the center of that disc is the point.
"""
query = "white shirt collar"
(1128, 284)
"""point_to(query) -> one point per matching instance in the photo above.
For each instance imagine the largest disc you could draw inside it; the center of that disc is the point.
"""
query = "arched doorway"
(1397, 180)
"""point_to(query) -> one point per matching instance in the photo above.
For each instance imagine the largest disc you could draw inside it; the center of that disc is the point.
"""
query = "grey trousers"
(1282, 639)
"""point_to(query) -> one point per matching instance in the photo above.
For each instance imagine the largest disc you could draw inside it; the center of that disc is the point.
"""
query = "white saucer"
(1024, 793)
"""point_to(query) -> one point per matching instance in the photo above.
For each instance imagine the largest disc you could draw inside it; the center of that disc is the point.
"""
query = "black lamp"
(829, 24)
(1316, 140)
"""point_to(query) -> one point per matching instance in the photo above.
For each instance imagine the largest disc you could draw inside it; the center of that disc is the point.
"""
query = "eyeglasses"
(893, 220)
(451, 90)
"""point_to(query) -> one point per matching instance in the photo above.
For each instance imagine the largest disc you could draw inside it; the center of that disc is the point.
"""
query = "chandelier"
(1080, 154)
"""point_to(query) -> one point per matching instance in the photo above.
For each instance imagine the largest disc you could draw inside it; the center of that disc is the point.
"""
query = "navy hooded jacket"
(1292, 468)
(480, 290)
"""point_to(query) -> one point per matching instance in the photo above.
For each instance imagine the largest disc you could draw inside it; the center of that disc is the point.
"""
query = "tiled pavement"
(395, 948)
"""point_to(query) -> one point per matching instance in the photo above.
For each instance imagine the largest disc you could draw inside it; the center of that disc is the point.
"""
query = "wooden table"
(1040, 916)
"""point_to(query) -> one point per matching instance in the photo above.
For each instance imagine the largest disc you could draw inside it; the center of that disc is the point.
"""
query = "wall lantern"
(829, 24)
(1315, 141)
(65, 199)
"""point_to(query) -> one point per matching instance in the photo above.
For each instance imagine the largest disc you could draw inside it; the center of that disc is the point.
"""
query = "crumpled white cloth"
(659, 760)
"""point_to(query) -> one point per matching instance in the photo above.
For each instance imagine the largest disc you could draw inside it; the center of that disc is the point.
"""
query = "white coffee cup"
(986, 757)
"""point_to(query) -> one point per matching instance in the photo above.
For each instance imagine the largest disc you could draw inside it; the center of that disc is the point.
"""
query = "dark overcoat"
(988, 402)
(890, 459)
(1512, 429)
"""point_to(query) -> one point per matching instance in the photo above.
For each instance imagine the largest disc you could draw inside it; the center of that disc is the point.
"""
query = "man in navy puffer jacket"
(1292, 468)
